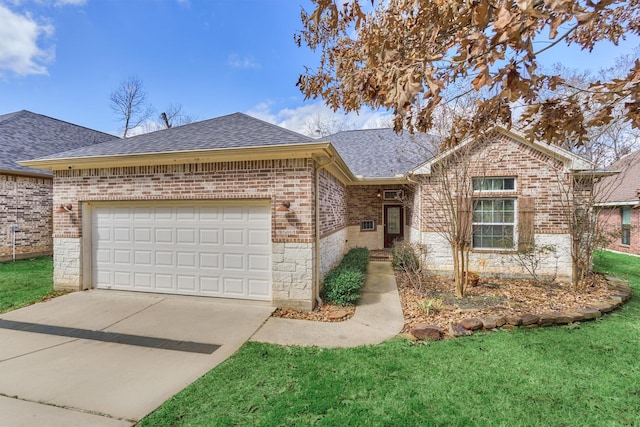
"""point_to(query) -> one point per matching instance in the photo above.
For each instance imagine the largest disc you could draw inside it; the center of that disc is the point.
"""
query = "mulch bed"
(491, 297)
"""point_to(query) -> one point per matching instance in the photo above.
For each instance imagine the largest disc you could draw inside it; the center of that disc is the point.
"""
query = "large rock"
(530, 319)
(603, 307)
(563, 318)
(547, 319)
(513, 320)
(472, 324)
(588, 313)
(489, 323)
(457, 330)
(424, 331)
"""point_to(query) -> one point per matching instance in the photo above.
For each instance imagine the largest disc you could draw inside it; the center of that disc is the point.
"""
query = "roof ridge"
(27, 113)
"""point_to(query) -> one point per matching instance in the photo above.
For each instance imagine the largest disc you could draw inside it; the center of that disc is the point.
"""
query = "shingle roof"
(623, 187)
(236, 130)
(382, 153)
(25, 135)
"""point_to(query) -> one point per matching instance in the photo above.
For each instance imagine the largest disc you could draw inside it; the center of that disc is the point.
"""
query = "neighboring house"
(619, 215)
(235, 207)
(26, 193)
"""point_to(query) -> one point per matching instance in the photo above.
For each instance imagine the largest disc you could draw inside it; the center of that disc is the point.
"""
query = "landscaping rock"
(489, 323)
(530, 319)
(588, 313)
(547, 319)
(500, 321)
(472, 323)
(337, 315)
(575, 316)
(563, 318)
(457, 330)
(508, 327)
(424, 331)
(513, 320)
(602, 307)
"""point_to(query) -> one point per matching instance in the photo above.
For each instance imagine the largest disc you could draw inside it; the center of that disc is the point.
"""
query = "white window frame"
(489, 178)
(625, 227)
(513, 224)
(368, 225)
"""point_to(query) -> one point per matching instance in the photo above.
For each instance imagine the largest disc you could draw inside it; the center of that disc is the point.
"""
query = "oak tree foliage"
(401, 55)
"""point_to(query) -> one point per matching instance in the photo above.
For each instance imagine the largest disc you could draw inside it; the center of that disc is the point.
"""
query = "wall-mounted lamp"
(379, 194)
(283, 206)
(66, 207)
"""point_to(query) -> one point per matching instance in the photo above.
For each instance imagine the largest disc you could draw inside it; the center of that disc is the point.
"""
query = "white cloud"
(316, 119)
(70, 2)
(237, 61)
(19, 49)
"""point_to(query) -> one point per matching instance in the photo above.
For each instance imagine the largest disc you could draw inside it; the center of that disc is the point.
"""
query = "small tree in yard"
(450, 192)
(580, 199)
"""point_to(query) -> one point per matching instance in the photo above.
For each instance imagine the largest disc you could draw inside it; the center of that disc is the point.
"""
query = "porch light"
(283, 206)
(379, 194)
(66, 207)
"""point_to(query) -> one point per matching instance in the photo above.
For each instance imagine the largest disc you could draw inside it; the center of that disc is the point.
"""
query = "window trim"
(625, 228)
(487, 178)
(366, 229)
(513, 224)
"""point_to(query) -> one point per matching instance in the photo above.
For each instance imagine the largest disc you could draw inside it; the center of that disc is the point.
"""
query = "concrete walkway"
(378, 317)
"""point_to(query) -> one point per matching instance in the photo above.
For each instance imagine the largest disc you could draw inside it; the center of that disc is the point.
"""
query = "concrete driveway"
(109, 358)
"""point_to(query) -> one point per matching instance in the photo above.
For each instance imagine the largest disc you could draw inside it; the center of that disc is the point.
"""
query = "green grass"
(25, 282)
(586, 375)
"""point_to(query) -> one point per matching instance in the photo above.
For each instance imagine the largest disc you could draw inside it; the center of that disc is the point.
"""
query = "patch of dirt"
(319, 314)
(434, 300)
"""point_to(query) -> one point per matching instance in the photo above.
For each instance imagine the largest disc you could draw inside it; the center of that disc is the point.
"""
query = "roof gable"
(571, 161)
(26, 135)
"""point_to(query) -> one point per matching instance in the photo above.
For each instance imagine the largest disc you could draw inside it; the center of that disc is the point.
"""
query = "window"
(392, 194)
(625, 214)
(494, 223)
(368, 225)
(494, 184)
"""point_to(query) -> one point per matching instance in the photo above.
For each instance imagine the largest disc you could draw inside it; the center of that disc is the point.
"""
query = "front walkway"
(378, 317)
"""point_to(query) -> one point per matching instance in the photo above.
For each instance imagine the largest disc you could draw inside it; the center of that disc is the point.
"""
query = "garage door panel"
(222, 251)
(186, 236)
(233, 237)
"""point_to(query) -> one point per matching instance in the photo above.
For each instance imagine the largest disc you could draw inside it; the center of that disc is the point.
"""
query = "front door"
(393, 224)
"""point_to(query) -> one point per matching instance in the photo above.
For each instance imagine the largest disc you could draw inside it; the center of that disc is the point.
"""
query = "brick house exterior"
(619, 207)
(316, 198)
(26, 193)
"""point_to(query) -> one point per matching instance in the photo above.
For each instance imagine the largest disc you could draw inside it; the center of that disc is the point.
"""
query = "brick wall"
(333, 203)
(610, 222)
(537, 176)
(279, 180)
(25, 202)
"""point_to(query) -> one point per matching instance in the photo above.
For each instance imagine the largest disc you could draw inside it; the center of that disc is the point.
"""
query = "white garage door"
(209, 250)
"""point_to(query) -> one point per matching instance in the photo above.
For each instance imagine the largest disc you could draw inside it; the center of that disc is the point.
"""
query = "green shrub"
(343, 284)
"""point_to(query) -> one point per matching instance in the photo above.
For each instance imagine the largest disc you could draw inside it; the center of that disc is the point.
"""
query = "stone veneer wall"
(25, 202)
(274, 180)
(500, 264)
(610, 222)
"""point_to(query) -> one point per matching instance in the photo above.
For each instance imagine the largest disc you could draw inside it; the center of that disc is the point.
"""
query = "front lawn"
(25, 282)
(562, 376)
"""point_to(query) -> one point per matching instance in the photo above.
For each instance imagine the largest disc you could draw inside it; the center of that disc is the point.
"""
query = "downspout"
(316, 264)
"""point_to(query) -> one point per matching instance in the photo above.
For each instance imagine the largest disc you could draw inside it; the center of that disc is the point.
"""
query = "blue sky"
(62, 58)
